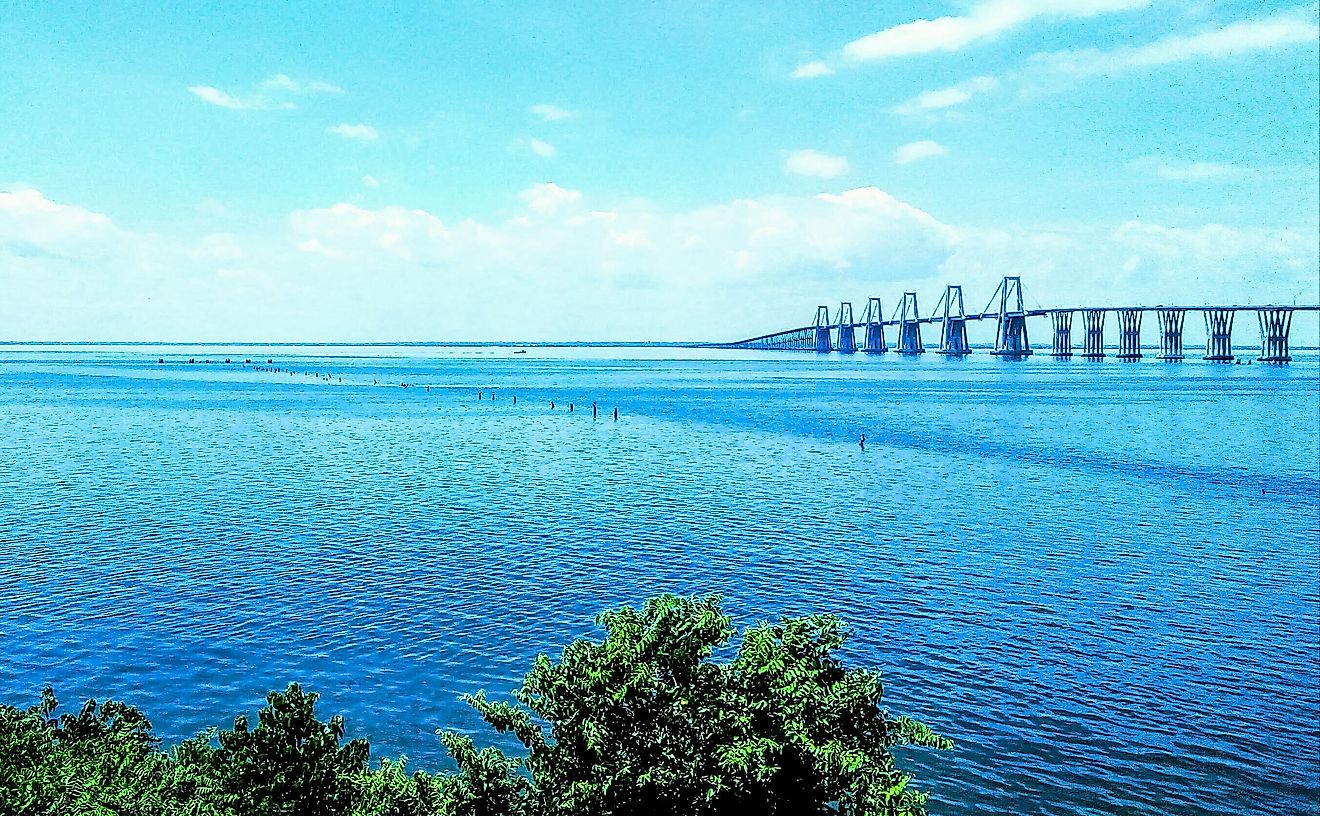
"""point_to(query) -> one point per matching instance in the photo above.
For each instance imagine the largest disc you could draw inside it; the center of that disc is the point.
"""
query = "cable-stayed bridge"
(948, 319)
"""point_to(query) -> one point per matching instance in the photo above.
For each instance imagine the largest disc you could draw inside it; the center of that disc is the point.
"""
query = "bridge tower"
(1275, 322)
(847, 339)
(909, 326)
(1062, 333)
(953, 331)
(1129, 334)
(875, 327)
(822, 327)
(1171, 328)
(1093, 346)
(1011, 332)
(1219, 335)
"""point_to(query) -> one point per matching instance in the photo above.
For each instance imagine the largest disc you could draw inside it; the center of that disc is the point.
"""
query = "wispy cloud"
(929, 101)
(272, 94)
(916, 151)
(1174, 170)
(542, 148)
(550, 113)
(364, 133)
(282, 82)
(371, 182)
(811, 70)
(984, 20)
(219, 98)
(816, 164)
(1294, 27)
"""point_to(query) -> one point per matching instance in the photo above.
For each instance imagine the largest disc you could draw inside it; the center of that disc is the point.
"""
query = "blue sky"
(285, 171)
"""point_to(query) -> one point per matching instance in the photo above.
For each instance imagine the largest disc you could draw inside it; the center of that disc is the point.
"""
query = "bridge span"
(1006, 307)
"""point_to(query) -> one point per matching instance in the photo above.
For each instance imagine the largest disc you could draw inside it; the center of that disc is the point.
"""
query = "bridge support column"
(909, 327)
(1274, 325)
(1011, 333)
(875, 328)
(1129, 334)
(1062, 334)
(822, 326)
(953, 331)
(1171, 327)
(847, 339)
(1219, 335)
(1093, 345)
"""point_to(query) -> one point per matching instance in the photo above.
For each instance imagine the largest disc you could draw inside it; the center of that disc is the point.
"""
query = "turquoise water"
(1101, 579)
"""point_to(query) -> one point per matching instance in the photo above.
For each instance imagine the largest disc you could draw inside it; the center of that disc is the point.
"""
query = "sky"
(428, 171)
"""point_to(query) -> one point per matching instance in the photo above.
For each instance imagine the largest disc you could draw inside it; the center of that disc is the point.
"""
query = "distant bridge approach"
(844, 334)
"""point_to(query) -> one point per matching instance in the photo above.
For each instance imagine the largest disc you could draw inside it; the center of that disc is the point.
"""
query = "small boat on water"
(520, 351)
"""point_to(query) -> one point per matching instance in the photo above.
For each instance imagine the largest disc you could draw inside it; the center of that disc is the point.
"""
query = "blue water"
(1101, 579)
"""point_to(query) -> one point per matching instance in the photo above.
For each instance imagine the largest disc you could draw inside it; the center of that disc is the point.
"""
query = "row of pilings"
(1275, 323)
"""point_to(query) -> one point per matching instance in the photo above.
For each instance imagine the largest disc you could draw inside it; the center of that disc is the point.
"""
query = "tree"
(647, 722)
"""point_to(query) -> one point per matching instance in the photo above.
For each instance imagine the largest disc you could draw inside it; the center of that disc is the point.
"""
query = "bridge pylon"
(909, 326)
(847, 339)
(1219, 335)
(1275, 322)
(1129, 334)
(1171, 333)
(953, 331)
(1093, 342)
(1011, 331)
(1062, 334)
(822, 327)
(875, 328)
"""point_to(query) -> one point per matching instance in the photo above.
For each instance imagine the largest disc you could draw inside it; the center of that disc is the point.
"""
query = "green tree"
(648, 722)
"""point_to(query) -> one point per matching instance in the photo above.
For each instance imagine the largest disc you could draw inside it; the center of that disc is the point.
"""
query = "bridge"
(1006, 307)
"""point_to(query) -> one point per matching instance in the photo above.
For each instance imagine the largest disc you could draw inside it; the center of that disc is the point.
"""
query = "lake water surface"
(1102, 580)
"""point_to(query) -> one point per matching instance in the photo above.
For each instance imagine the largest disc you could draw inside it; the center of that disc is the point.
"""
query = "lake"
(1101, 579)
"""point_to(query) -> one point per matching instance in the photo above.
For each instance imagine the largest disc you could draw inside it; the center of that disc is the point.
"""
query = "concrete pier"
(909, 327)
(1219, 335)
(1275, 322)
(1171, 328)
(822, 326)
(1129, 334)
(953, 329)
(875, 328)
(1011, 331)
(1062, 334)
(847, 339)
(1093, 344)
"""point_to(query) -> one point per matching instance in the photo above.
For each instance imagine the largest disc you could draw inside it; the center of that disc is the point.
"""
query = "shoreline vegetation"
(645, 721)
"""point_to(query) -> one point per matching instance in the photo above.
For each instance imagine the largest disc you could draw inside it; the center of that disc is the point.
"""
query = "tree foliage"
(663, 715)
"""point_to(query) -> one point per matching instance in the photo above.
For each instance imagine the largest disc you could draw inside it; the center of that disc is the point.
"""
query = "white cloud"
(928, 101)
(984, 20)
(542, 148)
(916, 151)
(282, 82)
(549, 197)
(217, 97)
(562, 267)
(371, 181)
(365, 133)
(1173, 170)
(550, 113)
(811, 70)
(816, 164)
(1296, 27)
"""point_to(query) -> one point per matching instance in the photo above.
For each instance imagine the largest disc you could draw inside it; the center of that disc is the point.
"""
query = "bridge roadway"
(1011, 337)
(1026, 313)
